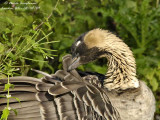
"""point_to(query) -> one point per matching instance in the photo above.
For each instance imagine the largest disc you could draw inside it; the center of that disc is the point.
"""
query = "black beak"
(75, 63)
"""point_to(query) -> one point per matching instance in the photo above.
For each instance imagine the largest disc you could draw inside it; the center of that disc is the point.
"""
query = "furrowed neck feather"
(121, 63)
(121, 74)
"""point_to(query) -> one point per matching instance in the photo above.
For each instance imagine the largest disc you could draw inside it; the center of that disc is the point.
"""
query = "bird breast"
(135, 104)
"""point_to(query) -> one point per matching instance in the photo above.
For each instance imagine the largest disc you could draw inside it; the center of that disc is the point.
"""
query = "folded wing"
(61, 96)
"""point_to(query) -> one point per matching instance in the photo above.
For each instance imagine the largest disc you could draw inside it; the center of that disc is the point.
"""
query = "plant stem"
(8, 94)
(157, 3)
(37, 42)
(33, 59)
(48, 16)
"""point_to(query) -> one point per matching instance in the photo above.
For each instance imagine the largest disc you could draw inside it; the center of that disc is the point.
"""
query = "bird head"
(88, 47)
(97, 43)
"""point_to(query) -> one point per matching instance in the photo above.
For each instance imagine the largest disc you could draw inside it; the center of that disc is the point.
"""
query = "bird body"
(134, 104)
(69, 95)
(131, 97)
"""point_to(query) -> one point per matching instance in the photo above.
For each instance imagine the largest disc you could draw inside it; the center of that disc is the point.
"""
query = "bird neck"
(121, 74)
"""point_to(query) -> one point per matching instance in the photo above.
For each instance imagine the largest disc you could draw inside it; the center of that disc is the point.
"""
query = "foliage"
(22, 45)
(28, 36)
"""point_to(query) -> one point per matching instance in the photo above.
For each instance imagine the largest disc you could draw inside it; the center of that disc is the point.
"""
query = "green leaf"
(7, 86)
(15, 111)
(5, 114)
(131, 4)
(16, 99)
(139, 50)
(46, 7)
(48, 25)
(2, 96)
(154, 84)
(1, 48)
(4, 36)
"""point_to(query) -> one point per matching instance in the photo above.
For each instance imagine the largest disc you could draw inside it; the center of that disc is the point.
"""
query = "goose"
(72, 95)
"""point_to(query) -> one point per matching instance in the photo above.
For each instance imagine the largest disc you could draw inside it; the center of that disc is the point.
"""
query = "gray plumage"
(69, 95)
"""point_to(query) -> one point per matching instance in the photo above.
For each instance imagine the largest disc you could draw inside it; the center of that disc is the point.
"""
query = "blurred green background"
(37, 35)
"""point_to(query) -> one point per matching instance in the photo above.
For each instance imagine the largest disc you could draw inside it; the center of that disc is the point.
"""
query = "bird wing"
(61, 96)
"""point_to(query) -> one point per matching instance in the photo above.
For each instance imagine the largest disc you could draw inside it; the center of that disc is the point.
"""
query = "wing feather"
(61, 96)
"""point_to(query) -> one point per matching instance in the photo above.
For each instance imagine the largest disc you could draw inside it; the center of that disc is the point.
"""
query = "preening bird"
(72, 95)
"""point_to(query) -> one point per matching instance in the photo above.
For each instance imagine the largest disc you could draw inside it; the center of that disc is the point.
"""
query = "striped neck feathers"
(121, 63)
(121, 74)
